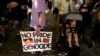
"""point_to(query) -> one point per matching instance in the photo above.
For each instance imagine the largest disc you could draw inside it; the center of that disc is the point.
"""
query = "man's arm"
(41, 18)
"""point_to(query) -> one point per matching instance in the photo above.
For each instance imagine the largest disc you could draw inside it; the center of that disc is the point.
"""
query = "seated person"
(71, 32)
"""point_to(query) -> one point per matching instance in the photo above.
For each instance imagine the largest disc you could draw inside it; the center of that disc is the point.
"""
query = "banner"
(36, 42)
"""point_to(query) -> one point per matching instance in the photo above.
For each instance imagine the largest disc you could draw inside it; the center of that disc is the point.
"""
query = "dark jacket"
(18, 12)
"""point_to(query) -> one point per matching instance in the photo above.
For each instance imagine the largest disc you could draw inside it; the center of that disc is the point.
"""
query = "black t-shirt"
(86, 14)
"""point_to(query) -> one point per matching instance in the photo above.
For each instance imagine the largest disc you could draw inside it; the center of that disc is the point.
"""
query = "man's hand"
(37, 30)
(29, 10)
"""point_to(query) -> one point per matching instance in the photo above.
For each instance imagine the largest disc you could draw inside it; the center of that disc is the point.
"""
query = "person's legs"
(60, 30)
(17, 27)
(55, 19)
(2, 32)
(76, 39)
(70, 40)
(55, 16)
(95, 34)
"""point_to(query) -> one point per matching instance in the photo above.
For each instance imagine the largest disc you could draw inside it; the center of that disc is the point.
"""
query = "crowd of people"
(18, 10)
(89, 9)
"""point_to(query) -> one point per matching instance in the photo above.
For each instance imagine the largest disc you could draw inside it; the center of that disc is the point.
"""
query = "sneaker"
(77, 44)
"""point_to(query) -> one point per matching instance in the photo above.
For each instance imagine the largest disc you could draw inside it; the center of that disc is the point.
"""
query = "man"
(2, 32)
(3, 7)
(18, 10)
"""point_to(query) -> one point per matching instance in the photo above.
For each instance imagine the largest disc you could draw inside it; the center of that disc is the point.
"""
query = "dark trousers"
(96, 32)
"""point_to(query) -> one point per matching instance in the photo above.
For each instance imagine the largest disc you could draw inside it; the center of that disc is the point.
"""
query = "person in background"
(49, 5)
(76, 5)
(85, 10)
(29, 5)
(81, 1)
(3, 8)
(37, 21)
(2, 32)
(96, 29)
(18, 12)
(64, 7)
(55, 12)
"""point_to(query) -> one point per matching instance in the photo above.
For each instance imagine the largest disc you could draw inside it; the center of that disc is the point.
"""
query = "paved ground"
(12, 48)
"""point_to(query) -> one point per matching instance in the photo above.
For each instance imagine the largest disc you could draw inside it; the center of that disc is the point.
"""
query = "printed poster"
(36, 42)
